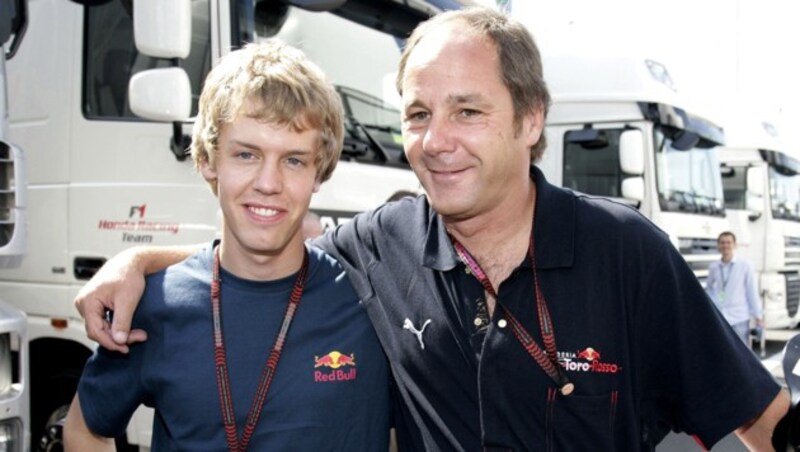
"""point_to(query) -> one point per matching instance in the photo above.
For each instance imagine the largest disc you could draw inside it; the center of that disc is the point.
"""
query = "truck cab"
(761, 179)
(617, 128)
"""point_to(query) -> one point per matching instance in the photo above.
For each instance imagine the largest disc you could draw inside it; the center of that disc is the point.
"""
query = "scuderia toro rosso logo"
(586, 360)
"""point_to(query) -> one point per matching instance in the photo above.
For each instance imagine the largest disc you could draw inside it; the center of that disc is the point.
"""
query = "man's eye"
(244, 155)
(417, 116)
(294, 161)
(468, 112)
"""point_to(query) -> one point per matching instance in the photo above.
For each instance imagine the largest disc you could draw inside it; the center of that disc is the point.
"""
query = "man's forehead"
(447, 38)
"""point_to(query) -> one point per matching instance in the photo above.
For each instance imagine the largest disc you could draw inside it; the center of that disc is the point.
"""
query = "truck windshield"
(361, 61)
(688, 181)
(784, 191)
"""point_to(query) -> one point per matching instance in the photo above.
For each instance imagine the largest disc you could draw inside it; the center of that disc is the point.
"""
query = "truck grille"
(699, 253)
(8, 201)
(792, 292)
(791, 250)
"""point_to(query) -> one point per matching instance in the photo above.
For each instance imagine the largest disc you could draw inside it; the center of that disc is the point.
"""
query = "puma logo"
(408, 325)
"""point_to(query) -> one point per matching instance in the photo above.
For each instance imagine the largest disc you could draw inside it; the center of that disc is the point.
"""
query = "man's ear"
(533, 126)
(317, 184)
(209, 173)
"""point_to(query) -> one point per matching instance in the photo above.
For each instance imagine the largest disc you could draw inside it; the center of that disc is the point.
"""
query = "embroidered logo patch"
(409, 325)
(586, 360)
(340, 367)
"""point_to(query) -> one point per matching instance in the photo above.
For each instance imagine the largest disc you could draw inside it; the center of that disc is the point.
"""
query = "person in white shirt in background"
(732, 286)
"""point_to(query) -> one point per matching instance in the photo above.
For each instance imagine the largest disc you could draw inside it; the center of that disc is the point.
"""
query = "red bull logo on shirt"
(337, 362)
(586, 360)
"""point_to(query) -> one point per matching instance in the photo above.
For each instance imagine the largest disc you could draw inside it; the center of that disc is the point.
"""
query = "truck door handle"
(86, 267)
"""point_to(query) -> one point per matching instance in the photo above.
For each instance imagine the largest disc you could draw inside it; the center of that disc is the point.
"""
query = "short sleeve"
(698, 377)
(110, 390)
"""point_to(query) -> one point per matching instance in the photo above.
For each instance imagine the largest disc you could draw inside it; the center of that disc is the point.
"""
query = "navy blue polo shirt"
(635, 333)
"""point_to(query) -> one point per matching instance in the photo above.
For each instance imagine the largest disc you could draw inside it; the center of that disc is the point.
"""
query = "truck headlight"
(11, 435)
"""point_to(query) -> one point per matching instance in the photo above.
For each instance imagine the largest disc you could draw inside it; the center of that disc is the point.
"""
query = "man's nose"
(269, 178)
(438, 136)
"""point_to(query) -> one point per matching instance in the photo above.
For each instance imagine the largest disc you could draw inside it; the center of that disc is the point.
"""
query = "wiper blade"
(380, 151)
(379, 128)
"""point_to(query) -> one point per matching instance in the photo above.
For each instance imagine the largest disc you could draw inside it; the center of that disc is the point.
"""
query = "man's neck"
(262, 267)
(498, 239)
(727, 258)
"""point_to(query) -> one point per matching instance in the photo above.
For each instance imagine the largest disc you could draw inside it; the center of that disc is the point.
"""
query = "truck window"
(734, 185)
(110, 57)
(784, 192)
(594, 170)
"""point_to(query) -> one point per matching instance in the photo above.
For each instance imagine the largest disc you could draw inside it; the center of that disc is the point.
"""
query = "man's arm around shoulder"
(117, 287)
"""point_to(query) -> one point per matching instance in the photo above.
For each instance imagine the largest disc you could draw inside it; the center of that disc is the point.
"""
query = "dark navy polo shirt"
(635, 332)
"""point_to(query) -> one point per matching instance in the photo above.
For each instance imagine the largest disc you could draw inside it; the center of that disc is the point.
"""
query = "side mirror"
(633, 188)
(161, 94)
(163, 29)
(755, 181)
(631, 154)
(754, 196)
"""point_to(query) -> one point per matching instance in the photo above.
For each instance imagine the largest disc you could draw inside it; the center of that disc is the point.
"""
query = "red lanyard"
(547, 361)
(221, 362)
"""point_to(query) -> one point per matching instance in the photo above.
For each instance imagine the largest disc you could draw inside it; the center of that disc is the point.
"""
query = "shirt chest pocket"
(580, 422)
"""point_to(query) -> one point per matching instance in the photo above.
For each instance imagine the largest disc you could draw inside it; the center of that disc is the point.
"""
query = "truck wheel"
(51, 397)
(52, 435)
(51, 440)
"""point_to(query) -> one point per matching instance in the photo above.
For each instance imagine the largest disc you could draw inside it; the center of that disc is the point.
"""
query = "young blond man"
(256, 342)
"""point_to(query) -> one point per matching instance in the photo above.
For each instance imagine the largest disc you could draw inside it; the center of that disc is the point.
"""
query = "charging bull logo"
(589, 354)
(334, 361)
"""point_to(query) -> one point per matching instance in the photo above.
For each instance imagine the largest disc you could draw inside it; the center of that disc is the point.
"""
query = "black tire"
(60, 392)
(51, 439)
(49, 410)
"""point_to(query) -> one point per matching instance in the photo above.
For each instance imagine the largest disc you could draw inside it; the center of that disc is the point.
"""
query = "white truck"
(761, 179)
(102, 178)
(617, 128)
(14, 387)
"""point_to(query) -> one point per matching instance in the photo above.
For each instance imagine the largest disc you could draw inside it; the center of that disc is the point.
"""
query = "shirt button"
(478, 321)
(502, 323)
